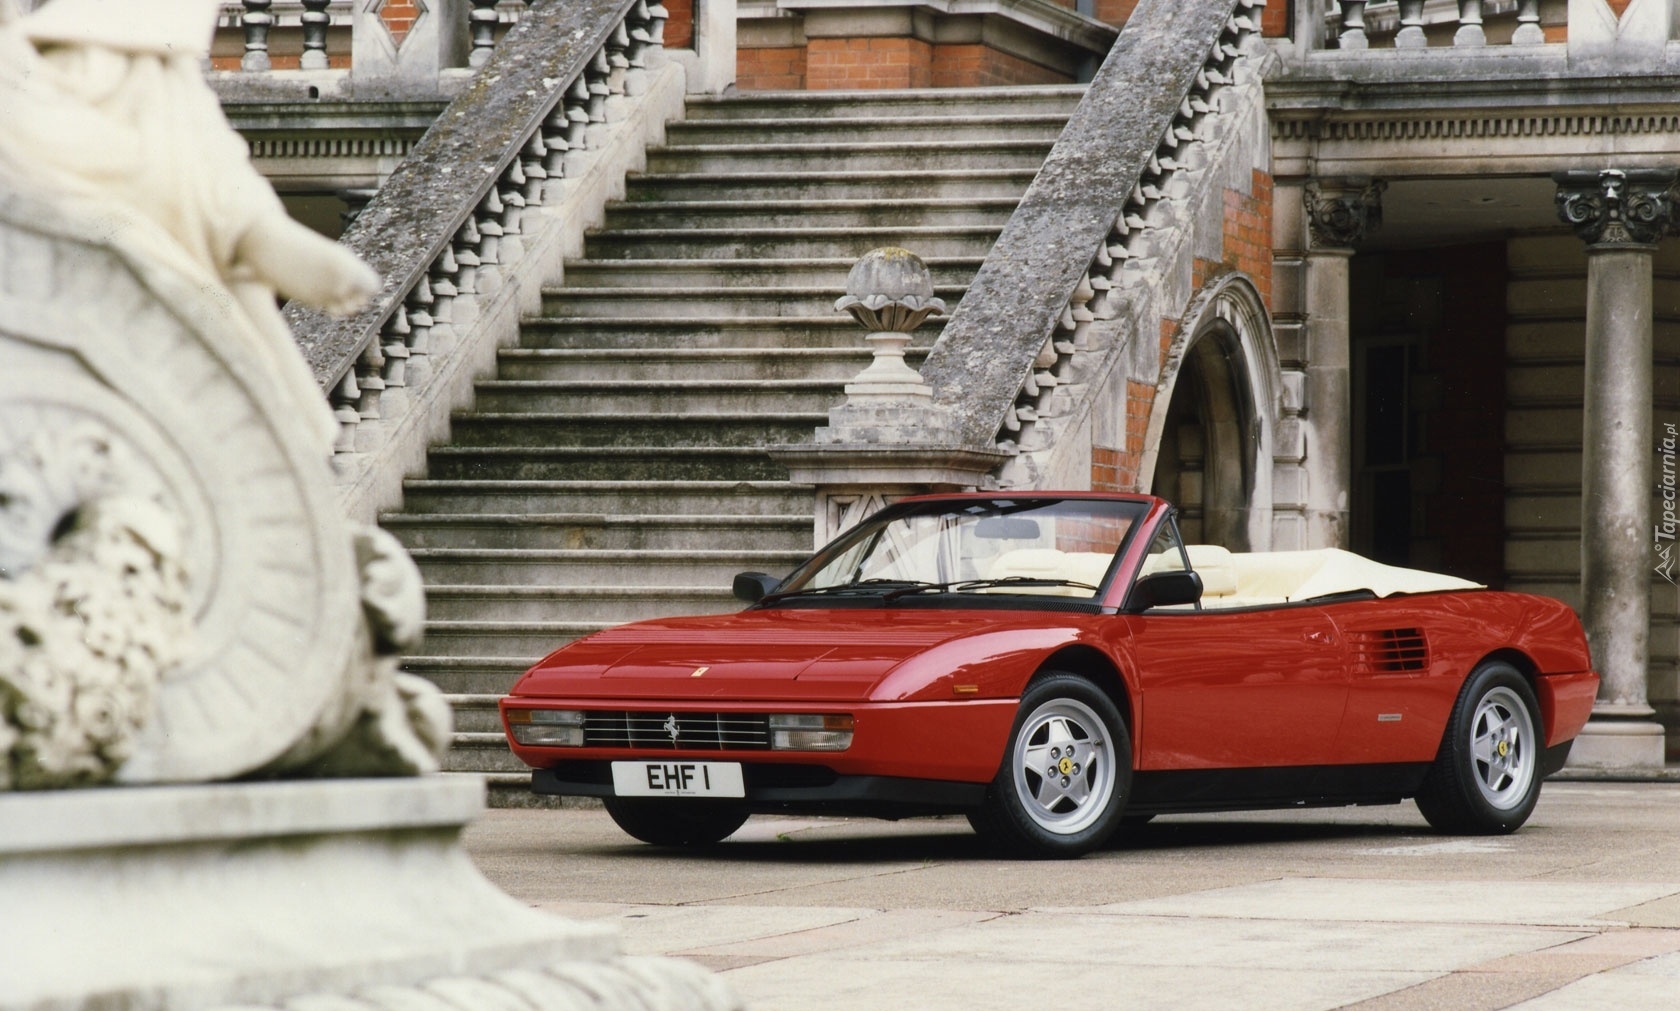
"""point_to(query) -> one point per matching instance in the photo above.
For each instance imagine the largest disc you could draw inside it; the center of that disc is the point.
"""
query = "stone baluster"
(481, 25)
(1353, 25)
(422, 326)
(344, 398)
(1411, 34)
(1470, 24)
(256, 21)
(370, 377)
(1621, 215)
(315, 23)
(1529, 32)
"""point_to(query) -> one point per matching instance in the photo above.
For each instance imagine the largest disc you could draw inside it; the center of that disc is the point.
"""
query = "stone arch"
(1212, 426)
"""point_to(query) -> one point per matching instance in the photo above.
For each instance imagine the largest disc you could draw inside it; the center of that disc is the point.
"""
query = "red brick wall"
(1115, 12)
(1274, 18)
(832, 64)
(972, 66)
(679, 27)
(399, 17)
(1247, 242)
(777, 69)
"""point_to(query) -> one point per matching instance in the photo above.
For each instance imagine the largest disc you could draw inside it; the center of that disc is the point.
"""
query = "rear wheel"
(676, 822)
(1486, 776)
(1066, 774)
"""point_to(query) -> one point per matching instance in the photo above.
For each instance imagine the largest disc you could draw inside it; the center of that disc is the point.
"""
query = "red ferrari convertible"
(1052, 665)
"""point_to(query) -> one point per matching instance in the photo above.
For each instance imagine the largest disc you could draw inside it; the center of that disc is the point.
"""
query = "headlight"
(810, 732)
(548, 728)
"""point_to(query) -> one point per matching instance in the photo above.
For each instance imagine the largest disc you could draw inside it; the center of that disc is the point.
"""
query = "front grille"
(693, 731)
(1389, 651)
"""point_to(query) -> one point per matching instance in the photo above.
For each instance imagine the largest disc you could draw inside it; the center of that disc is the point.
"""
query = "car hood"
(814, 655)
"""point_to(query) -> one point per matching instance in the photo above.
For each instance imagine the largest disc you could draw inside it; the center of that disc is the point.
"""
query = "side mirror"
(1163, 589)
(753, 587)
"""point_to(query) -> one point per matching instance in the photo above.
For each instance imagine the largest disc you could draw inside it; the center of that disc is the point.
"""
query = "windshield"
(1054, 547)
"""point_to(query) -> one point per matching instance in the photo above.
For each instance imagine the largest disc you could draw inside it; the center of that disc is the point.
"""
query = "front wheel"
(1066, 774)
(1486, 776)
(676, 822)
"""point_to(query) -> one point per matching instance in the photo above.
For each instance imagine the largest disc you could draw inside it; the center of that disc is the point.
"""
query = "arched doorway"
(1211, 428)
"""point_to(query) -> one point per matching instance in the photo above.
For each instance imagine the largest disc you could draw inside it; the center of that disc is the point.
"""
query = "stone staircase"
(614, 468)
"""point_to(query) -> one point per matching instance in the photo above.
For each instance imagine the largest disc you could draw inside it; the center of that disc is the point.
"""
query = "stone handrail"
(255, 19)
(447, 228)
(1081, 236)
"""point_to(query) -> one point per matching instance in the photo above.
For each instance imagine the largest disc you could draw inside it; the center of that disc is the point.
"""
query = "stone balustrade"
(329, 30)
(450, 228)
(1409, 24)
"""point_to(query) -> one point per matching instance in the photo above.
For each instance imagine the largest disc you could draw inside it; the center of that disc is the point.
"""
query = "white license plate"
(678, 779)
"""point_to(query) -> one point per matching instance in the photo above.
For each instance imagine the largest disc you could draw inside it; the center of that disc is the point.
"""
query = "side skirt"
(1163, 792)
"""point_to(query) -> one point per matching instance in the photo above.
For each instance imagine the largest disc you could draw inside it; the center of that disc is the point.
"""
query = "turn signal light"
(810, 731)
(547, 728)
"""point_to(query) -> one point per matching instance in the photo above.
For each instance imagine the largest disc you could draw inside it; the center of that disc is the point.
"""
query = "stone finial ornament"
(890, 292)
(180, 598)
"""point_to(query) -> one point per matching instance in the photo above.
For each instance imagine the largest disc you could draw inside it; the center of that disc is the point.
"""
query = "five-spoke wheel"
(1066, 774)
(1486, 776)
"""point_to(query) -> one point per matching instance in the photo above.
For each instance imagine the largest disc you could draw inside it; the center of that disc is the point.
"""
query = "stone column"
(1340, 212)
(1621, 216)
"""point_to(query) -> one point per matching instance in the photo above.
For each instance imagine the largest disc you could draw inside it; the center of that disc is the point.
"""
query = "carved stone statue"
(179, 599)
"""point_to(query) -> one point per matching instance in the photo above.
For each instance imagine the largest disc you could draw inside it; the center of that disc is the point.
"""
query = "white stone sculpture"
(179, 599)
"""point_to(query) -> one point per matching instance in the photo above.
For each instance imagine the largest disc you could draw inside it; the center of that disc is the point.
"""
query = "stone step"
(620, 498)
(833, 330)
(524, 641)
(476, 714)
(785, 243)
(983, 128)
(538, 430)
(467, 675)
(602, 463)
(482, 752)
(613, 604)
(748, 210)
(594, 530)
(1000, 100)
(659, 395)
(924, 155)
(609, 364)
(952, 271)
(840, 183)
(764, 302)
(580, 568)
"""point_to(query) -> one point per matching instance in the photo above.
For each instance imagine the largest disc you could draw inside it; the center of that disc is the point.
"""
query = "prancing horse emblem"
(671, 728)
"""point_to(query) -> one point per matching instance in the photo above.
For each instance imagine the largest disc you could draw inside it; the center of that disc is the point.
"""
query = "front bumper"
(960, 742)
(788, 788)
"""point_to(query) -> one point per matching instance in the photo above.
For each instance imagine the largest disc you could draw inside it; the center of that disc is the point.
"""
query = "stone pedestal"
(350, 894)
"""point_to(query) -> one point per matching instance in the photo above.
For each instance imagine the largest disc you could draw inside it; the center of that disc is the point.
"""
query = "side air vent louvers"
(1389, 651)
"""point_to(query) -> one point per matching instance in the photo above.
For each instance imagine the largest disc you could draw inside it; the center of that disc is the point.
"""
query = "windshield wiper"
(863, 586)
(980, 584)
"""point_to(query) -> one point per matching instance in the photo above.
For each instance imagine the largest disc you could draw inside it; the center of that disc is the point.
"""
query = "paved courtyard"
(1362, 908)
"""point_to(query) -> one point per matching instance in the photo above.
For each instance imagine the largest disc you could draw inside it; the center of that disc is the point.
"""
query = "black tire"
(1067, 726)
(676, 822)
(1486, 776)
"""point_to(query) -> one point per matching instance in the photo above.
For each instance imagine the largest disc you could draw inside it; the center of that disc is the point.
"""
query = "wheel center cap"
(1504, 749)
(1065, 766)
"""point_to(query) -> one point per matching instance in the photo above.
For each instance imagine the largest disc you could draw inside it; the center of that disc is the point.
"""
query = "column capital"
(1341, 212)
(1611, 208)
